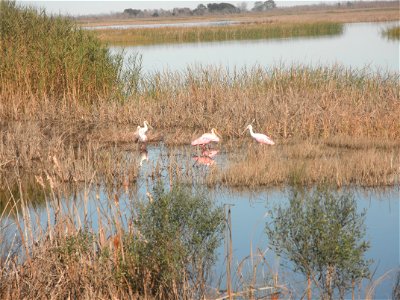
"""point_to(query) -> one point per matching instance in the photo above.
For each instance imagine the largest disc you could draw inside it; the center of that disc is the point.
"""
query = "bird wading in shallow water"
(207, 138)
(259, 137)
(140, 135)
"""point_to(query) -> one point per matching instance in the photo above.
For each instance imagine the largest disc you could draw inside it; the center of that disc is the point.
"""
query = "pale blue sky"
(87, 7)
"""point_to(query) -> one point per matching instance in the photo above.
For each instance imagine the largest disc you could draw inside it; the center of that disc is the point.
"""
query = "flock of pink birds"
(207, 155)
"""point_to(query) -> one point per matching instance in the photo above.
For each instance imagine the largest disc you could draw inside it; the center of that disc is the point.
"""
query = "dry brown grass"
(309, 163)
(104, 251)
(327, 110)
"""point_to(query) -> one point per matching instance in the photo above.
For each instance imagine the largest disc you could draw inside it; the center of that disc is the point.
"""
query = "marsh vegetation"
(68, 110)
(250, 31)
(322, 233)
(392, 33)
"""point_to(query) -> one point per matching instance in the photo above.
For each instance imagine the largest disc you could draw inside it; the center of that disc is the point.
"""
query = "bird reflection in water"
(144, 156)
(206, 158)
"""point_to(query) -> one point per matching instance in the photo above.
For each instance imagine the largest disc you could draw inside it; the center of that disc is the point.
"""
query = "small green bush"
(322, 233)
(180, 233)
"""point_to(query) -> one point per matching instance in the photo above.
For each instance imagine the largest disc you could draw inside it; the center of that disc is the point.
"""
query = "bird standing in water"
(259, 137)
(140, 135)
(207, 138)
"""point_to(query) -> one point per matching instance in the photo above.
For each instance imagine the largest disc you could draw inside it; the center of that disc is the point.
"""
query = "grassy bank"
(142, 36)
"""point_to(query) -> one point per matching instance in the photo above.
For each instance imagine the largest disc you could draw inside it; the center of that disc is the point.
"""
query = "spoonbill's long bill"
(207, 138)
(259, 137)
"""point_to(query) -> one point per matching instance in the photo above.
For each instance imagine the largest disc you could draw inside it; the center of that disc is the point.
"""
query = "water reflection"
(204, 160)
(144, 156)
(207, 157)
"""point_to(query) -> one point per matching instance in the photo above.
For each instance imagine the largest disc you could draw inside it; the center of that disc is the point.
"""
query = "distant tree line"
(201, 9)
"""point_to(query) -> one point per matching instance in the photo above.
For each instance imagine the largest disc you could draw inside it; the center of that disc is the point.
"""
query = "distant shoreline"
(358, 12)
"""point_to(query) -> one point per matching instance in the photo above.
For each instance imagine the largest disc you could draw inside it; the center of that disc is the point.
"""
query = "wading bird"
(207, 138)
(140, 135)
(259, 137)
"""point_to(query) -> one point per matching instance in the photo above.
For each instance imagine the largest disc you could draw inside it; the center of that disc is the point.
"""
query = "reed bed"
(107, 251)
(334, 107)
(53, 59)
(248, 31)
(309, 163)
(392, 33)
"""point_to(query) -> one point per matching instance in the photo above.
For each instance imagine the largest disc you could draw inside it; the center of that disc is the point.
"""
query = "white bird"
(140, 134)
(259, 137)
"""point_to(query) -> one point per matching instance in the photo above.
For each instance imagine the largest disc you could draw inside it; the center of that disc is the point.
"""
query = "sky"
(89, 7)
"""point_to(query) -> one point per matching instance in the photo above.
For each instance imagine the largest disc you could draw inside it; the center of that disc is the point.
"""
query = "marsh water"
(360, 46)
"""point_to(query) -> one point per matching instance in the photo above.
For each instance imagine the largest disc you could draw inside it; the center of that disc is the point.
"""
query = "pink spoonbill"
(207, 138)
(259, 137)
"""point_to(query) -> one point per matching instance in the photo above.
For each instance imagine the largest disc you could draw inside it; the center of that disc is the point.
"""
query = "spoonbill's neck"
(251, 130)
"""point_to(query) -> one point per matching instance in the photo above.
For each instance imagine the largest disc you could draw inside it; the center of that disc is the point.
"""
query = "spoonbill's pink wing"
(201, 141)
(205, 139)
(263, 139)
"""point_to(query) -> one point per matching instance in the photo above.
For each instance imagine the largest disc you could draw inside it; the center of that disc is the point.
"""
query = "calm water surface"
(360, 46)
